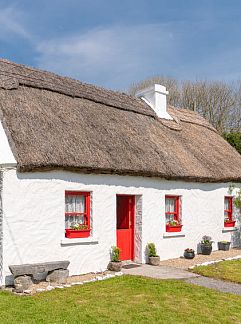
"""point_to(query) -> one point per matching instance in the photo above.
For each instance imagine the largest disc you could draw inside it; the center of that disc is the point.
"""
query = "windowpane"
(227, 204)
(74, 203)
(170, 205)
(226, 216)
(170, 218)
(72, 220)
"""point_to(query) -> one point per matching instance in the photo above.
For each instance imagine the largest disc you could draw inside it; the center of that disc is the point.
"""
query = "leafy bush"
(151, 250)
(207, 240)
(115, 255)
(234, 139)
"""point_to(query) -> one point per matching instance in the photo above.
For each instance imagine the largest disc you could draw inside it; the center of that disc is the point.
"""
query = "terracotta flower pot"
(154, 260)
(115, 266)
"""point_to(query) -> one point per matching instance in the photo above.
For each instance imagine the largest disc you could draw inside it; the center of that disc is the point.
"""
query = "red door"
(125, 226)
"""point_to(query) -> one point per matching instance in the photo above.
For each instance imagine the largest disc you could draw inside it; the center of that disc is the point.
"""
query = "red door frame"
(132, 225)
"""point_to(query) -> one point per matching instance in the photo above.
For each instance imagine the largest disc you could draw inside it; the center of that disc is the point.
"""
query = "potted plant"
(115, 264)
(189, 253)
(229, 223)
(173, 226)
(206, 245)
(77, 230)
(224, 245)
(154, 259)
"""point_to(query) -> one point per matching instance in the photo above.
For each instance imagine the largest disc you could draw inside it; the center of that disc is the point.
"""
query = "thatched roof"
(55, 122)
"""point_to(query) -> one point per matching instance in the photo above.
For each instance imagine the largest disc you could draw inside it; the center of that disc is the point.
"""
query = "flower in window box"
(229, 222)
(173, 226)
(78, 227)
(77, 230)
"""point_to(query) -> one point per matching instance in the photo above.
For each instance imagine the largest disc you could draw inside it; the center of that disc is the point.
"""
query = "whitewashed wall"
(33, 224)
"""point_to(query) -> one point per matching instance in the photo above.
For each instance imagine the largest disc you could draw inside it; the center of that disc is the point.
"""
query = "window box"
(176, 228)
(69, 233)
(229, 223)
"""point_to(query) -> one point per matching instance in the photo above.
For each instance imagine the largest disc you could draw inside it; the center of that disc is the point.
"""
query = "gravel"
(183, 263)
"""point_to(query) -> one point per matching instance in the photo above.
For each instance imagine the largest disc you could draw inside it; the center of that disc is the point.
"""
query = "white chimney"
(156, 97)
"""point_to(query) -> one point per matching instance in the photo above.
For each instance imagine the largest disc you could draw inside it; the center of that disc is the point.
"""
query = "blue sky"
(115, 43)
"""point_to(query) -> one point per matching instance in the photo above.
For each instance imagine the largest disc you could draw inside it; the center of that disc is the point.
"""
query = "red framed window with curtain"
(228, 212)
(77, 214)
(172, 214)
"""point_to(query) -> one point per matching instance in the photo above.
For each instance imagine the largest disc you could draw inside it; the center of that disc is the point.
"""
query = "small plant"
(115, 254)
(78, 227)
(207, 240)
(173, 223)
(151, 250)
(189, 250)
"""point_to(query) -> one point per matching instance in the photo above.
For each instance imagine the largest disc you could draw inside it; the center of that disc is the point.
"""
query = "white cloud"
(12, 24)
(108, 56)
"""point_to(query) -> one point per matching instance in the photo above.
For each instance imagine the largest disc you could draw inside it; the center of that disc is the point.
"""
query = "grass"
(226, 270)
(125, 299)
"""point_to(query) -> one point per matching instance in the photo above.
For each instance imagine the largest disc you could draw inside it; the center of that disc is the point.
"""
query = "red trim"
(230, 210)
(69, 233)
(229, 224)
(176, 213)
(79, 233)
(77, 193)
(176, 228)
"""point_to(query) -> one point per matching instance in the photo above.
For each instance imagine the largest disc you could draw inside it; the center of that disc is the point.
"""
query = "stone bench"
(25, 274)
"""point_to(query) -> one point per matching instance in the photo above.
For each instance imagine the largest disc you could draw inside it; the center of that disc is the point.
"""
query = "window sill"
(79, 241)
(174, 234)
(229, 229)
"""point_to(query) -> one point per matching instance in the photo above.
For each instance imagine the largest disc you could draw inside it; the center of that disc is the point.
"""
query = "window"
(77, 214)
(172, 213)
(228, 212)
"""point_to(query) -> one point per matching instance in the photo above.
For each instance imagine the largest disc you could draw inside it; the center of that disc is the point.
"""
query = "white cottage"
(121, 169)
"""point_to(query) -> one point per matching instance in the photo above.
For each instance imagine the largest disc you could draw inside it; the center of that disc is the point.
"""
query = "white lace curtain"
(170, 208)
(74, 203)
(226, 207)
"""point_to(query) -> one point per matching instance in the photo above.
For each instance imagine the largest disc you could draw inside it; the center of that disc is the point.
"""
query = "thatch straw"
(54, 122)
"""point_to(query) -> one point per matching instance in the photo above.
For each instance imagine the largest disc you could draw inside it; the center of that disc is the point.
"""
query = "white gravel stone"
(50, 288)
(40, 290)
(119, 273)
(27, 291)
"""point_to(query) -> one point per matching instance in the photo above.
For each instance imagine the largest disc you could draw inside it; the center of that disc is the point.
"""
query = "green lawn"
(226, 270)
(123, 300)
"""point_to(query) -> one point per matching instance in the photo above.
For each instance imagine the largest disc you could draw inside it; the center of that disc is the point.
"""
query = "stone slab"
(22, 283)
(33, 269)
(59, 276)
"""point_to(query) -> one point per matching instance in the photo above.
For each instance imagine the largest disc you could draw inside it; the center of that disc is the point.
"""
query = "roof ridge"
(74, 88)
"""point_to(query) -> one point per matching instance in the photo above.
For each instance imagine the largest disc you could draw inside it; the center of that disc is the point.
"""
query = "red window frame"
(83, 232)
(176, 213)
(229, 211)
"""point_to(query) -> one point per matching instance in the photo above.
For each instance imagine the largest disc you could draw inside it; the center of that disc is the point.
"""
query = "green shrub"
(115, 255)
(234, 139)
(151, 250)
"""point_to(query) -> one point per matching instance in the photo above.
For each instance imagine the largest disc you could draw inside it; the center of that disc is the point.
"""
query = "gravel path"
(221, 285)
(182, 263)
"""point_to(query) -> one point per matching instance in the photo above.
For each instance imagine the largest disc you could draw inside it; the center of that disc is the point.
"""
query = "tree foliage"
(217, 101)
(234, 139)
